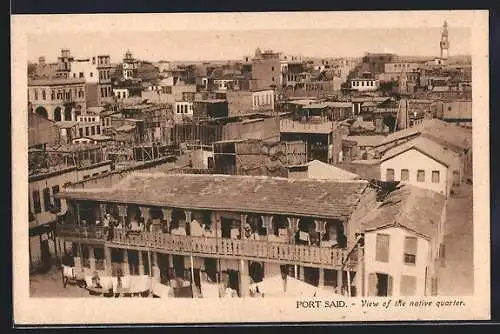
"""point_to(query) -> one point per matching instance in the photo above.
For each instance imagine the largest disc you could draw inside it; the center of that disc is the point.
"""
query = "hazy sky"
(219, 45)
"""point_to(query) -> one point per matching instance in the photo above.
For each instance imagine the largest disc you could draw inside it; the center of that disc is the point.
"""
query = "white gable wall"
(396, 267)
(414, 160)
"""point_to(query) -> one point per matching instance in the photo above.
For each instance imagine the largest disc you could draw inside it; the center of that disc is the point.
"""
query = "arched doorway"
(67, 113)
(57, 114)
(42, 112)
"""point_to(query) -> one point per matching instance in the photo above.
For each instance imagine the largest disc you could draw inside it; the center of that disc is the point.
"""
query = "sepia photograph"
(328, 169)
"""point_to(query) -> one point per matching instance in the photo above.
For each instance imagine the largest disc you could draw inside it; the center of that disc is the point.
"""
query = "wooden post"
(339, 280)
(320, 228)
(122, 210)
(188, 215)
(349, 282)
(293, 227)
(267, 223)
(321, 281)
(243, 221)
(167, 216)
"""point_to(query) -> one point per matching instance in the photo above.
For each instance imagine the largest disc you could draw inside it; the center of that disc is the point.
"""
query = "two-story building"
(232, 235)
(245, 102)
(403, 234)
(57, 99)
(364, 84)
(423, 163)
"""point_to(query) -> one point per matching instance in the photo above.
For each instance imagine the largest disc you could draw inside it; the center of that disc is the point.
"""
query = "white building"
(402, 241)
(422, 163)
(183, 108)
(121, 93)
(88, 125)
(364, 85)
(86, 69)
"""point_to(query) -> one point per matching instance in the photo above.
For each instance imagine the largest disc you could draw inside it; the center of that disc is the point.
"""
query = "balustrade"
(299, 254)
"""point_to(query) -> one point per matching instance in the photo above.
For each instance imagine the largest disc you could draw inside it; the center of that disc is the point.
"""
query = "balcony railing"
(215, 247)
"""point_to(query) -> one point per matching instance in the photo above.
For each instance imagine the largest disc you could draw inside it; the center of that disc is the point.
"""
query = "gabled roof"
(270, 195)
(449, 135)
(426, 146)
(416, 209)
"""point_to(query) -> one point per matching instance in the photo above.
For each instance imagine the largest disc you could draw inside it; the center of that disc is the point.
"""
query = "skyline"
(236, 44)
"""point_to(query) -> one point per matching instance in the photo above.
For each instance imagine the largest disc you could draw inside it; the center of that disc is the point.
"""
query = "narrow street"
(49, 285)
(457, 275)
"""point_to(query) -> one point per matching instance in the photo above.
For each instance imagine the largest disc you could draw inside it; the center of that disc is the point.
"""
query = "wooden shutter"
(372, 284)
(382, 251)
(389, 285)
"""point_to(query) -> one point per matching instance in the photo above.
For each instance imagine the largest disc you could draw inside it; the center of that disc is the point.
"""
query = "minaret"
(444, 44)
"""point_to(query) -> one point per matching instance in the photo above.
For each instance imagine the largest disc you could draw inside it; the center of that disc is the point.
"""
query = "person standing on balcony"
(196, 229)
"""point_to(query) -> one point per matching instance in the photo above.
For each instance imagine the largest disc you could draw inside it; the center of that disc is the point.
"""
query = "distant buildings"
(266, 69)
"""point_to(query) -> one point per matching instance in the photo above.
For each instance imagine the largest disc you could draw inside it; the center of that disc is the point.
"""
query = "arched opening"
(42, 112)
(306, 234)
(280, 226)
(57, 114)
(67, 113)
(254, 228)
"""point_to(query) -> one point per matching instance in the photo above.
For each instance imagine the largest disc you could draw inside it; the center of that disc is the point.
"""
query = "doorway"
(178, 262)
(226, 225)
(379, 285)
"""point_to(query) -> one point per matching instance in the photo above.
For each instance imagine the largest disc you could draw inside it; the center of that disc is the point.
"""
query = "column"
(243, 220)
(346, 229)
(107, 264)
(339, 280)
(267, 223)
(244, 278)
(301, 273)
(91, 258)
(188, 215)
(122, 211)
(321, 277)
(155, 267)
(102, 209)
(293, 227)
(320, 228)
(141, 263)
(144, 213)
(125, 266)
(167, 217)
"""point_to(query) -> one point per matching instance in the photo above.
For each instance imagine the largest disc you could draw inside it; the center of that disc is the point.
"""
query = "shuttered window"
(410, 250)
(405, 175)
(435, 176)
(382, 251)
(420, 175)
(46, 199)
(389, 174)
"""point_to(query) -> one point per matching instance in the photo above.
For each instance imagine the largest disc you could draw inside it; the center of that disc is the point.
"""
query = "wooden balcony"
(254, 250)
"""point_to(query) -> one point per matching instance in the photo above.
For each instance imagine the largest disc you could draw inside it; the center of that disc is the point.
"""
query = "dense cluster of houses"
(219, 176)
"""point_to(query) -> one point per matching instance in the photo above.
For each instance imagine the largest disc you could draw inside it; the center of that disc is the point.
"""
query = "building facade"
(57, 99)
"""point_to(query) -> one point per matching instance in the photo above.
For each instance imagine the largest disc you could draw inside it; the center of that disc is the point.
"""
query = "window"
(36, 201)
(86, 130)
(80, 132)
(46, 199)
(382, 248)
(408, 285)
(80, 75)
(178, 108)
(272, 68)
(91, 74)
(92, 130)
(420, 175)
(98, 130)
(405, 175)
(36, 94)
(57, 201)
(74, 75)
(52, 95)
(435, 176)
(410, 250)
(389, 176)
(44, 95)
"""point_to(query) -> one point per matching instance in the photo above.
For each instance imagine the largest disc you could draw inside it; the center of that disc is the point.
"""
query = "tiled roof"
(271, 195)
(450, 135)
(426, 146)
(414, 208)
